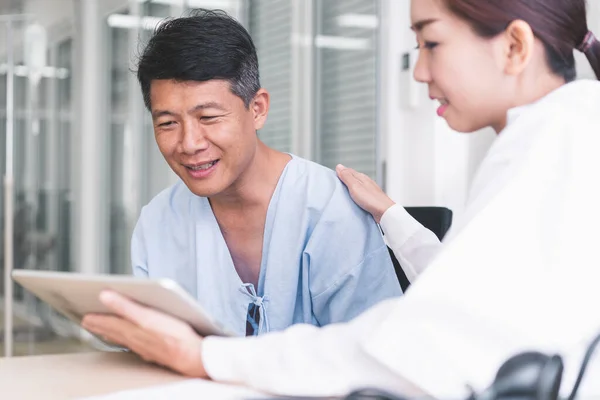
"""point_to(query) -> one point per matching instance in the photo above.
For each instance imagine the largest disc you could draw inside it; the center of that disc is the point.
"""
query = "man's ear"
(519, 42)
(260, 108)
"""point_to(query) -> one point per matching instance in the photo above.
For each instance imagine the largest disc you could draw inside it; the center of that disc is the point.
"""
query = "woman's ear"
(519, 47)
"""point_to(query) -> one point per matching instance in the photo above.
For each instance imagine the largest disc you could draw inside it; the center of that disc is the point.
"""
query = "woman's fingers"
(347, 175)
(364, 191)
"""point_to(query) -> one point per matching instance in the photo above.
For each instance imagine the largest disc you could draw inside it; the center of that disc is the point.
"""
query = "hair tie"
(587, 42)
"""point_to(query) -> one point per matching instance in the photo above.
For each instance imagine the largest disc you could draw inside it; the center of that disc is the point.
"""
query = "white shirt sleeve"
(413, 245)
(305, 360)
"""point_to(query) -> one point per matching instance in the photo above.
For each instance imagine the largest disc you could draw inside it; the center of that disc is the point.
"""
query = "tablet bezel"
(75, 294)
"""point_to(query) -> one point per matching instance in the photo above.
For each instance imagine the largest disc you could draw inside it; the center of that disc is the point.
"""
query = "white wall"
(406, 133)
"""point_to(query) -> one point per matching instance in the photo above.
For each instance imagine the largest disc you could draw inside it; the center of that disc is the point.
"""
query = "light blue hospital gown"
(324, 259)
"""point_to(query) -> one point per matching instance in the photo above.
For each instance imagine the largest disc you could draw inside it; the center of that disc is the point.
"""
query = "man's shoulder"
(325, 192)
(310, 173)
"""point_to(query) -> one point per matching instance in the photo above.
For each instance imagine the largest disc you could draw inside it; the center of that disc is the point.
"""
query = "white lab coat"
(521, 271)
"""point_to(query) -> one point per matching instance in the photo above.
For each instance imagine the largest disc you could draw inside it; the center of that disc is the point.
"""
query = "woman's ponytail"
(593, 56)
(590, 46)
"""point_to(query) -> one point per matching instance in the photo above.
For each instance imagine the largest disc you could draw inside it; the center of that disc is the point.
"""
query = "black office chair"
(436, 219)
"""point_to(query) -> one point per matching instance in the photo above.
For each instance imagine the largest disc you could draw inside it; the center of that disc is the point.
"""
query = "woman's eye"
(428, 45)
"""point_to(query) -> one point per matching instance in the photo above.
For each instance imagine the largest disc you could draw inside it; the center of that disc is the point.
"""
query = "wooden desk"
(77, 375)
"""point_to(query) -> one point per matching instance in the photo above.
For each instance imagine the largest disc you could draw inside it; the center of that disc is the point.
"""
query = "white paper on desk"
(190, 389)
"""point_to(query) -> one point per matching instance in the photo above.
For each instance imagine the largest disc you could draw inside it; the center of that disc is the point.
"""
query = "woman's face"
(465, 73)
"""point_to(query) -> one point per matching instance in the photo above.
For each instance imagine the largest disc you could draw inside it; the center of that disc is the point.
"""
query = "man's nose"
(194, 139)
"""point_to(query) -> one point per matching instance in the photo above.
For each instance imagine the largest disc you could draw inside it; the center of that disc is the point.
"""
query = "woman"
(465, 102)
(517, 273)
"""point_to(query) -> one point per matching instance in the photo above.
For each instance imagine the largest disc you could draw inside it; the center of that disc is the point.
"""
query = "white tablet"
(75, 294)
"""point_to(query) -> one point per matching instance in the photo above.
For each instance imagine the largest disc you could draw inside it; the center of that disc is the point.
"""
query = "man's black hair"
(203, 46)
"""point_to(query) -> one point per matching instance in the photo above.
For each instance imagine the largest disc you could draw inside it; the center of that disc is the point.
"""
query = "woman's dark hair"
(204, 46)
(560, 25)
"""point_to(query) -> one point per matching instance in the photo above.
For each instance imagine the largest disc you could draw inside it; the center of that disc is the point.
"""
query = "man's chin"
(204, 188)
(204, 191)
(213, 185)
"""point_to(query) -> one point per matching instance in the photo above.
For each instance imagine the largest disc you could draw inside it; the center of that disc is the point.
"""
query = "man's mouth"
(200, 167)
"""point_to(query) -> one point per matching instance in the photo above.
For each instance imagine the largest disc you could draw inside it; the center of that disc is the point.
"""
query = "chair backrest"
(436, 219)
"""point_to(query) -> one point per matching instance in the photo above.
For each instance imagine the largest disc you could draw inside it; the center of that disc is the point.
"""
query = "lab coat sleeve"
(139, 256)
(413, 245)
(305, 360)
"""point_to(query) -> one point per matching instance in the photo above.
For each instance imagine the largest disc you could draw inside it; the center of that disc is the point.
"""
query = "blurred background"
(82, 150)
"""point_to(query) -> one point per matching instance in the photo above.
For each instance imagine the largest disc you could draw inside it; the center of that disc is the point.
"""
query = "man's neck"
(255, 187)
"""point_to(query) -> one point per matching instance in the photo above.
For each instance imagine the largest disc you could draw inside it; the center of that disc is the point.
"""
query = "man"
(261, 238)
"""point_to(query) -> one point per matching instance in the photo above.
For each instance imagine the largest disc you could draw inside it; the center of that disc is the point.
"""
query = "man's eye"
(208, 117)
(166, 124)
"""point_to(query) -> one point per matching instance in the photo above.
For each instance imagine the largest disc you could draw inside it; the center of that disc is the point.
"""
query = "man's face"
(205, 132)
